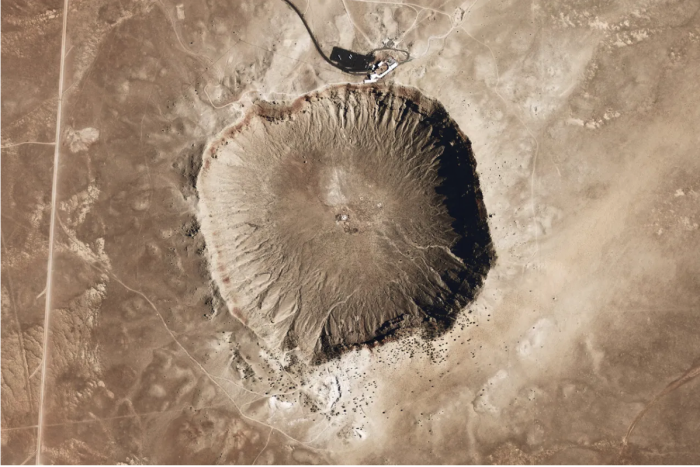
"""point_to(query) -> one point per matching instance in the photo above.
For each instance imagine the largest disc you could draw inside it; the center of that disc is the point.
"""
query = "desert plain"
(123, 342)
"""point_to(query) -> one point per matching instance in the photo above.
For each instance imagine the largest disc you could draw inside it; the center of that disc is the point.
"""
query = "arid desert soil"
(122, 341)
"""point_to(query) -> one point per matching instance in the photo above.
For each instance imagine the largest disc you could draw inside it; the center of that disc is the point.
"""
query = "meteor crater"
(343, 218)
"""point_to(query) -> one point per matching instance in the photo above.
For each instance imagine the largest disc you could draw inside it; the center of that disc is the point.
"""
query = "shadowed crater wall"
(343, 218)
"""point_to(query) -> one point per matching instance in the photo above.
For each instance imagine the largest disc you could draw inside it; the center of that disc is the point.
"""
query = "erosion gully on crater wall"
(346, 217)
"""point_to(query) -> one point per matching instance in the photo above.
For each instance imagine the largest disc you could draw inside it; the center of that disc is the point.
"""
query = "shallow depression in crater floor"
(345, 217)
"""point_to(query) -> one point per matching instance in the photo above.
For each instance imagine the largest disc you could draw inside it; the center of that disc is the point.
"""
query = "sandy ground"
(581, 348)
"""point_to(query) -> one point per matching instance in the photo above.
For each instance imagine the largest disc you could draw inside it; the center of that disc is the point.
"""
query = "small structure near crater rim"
(344, 218)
